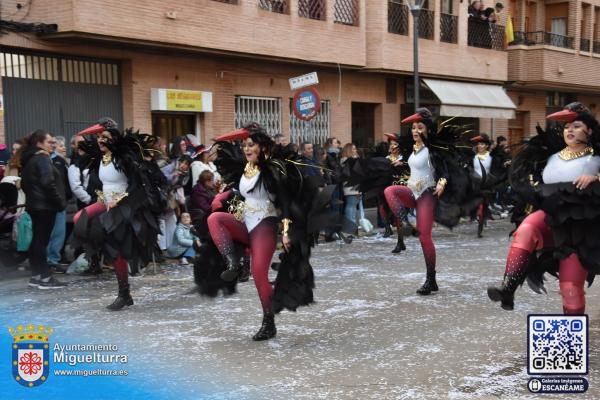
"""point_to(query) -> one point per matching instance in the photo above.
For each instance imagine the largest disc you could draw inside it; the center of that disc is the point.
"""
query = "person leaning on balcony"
(496, 15)
(473, 10)
(482, 14)
(493, 14)
(475, 17)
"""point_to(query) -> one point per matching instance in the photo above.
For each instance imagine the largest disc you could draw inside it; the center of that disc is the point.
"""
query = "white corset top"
(559, 170)
(486, 160)
(114, 183)
(421, 172)
(258, 204)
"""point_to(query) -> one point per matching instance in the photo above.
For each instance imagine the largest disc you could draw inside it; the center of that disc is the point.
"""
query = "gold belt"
(239, 207)
(400, 180)
(114, 196)
(420, 185)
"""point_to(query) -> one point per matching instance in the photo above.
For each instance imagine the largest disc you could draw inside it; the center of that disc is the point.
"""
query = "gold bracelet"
(286, 225)
(532, 182)
(442, 182)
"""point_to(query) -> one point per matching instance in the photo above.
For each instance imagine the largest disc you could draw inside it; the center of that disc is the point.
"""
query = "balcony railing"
(596, 47)
(584, 44)
(540, 37)
(448, 28)
(346, 12)
(397, 17)
(313, 9)
(277, 6)
(425, 24)
(558, 40)
(485, 35)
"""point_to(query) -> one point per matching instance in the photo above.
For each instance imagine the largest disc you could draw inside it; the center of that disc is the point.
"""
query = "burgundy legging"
(533, 235)
(481, 211)
(262, 240)
(400, 198)
(121, 267)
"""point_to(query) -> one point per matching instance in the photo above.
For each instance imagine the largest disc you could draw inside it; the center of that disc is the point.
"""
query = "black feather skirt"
(574, 216)
(129, 230)
(295, 281)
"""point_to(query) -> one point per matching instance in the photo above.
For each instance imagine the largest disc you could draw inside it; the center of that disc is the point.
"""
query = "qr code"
(557, 344)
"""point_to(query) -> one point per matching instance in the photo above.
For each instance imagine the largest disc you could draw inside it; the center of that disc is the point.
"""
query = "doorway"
(516, 130)
(171, 125)
(363, 124)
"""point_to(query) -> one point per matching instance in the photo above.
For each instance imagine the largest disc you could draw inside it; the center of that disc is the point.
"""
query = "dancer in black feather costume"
(265, 186)
(122, 225)
(489, 171)
(438, 185)
(557, 175)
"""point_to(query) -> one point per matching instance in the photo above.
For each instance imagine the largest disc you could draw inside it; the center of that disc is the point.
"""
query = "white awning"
(473, 100)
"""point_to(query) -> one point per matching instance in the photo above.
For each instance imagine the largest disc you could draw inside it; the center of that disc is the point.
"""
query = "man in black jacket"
(45, 196)
(307, 157)
(334, 176)
(57, 238)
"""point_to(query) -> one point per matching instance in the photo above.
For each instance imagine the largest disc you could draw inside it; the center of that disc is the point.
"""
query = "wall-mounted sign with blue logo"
(306, 103)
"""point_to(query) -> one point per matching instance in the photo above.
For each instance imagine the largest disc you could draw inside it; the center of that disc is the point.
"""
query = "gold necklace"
(251, 170)
(417, 147)
(106, 159)
(568, 154)
(393, 157)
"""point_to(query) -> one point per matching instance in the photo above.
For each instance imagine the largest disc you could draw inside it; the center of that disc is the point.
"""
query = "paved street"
(369, 336)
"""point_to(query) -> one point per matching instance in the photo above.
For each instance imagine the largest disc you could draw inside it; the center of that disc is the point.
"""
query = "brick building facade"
(555, 59)
(243, 52)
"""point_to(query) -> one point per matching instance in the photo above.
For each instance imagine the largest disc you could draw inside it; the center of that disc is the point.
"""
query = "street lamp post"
(415, 10)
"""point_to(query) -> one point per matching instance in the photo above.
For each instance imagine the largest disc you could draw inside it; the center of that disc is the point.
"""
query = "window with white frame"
(315, 131)
(266, 111)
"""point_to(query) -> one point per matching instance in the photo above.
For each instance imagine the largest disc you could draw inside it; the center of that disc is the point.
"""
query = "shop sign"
(306, 103)
(181, 100)
(304, 81)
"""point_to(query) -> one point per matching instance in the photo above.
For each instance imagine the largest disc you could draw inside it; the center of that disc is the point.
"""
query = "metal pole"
(415, 10)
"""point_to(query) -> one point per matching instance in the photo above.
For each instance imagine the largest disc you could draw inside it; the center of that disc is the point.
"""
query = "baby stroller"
(8, 212)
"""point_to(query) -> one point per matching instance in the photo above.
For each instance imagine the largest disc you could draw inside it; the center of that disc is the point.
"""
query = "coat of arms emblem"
(30, 354)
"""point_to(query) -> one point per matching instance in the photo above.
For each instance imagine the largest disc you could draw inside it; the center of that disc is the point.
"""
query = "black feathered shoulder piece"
(451, 153)
(130, 148)
(230, 162)
(528, 164)
(91, 153)
(132, 154)
(451, 144)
